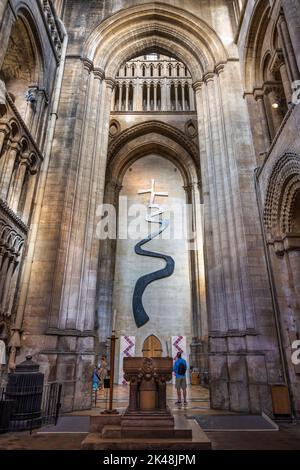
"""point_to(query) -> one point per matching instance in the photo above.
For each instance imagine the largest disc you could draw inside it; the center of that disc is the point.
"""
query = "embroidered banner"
(127, 349)
(179, 345)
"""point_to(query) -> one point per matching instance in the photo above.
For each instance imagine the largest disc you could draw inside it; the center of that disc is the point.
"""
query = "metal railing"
(22, 412)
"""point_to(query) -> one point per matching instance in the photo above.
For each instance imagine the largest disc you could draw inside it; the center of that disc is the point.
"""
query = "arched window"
(125, 70)
(151, 70)
(170, 70)
(144, 70)
(178, 70)
(132, 70)
(159, 70)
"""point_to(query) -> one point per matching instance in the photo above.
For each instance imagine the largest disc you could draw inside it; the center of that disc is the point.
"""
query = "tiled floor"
(287, 438)
(197, 397)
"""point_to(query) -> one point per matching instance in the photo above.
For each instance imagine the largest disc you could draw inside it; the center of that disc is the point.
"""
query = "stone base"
(186, 435)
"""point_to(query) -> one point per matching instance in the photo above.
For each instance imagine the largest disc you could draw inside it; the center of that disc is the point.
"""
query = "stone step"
(156, 433)
(111, 432)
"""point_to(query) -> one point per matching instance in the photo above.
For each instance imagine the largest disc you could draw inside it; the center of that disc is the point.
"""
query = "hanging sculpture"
(140, 315)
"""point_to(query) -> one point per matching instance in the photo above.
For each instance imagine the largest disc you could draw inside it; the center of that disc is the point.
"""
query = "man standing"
(180, 368)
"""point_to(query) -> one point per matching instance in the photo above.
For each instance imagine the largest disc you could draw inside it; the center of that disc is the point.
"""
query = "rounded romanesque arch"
(283, 190)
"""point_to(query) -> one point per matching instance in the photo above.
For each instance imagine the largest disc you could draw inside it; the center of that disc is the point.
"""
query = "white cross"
(153, 193)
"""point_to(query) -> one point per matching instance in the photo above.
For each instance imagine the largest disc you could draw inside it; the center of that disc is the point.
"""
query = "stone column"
(164, 95)
(182, 97)
(227, 161)
(6, 22)
(30, 190)
(276, 113)
(120, 95)
(8, 168)
(286, 82)
(192, 98)
(155, 96)
(4, 131)
(16, 189)
(135, 89)
(9, 273)
(284, 33)
(148, 96)
(265, 131)
(176, 96)
(66, 311)
(106, 270)
(127, 96)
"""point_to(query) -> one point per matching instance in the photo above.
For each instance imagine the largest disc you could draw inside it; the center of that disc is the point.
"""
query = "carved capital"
(87, 64)
(209, 76)
(99, 74)
(110, 83)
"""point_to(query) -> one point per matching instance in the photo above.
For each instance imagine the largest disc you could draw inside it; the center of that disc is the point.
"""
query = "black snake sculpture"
(140, 315)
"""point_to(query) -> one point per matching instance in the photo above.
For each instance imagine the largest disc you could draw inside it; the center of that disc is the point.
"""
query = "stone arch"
(128, 147)
(23, 64)
(254, 43)
(283, 188)
(149, 127)
(169, 29)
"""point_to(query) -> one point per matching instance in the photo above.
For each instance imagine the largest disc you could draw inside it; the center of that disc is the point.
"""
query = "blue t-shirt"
(176, 365)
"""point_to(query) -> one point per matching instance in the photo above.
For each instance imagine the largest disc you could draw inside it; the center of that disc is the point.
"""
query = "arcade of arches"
(199, 100)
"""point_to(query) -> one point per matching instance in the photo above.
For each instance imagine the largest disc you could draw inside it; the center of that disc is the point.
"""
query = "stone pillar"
(192, 98)
(127, 95)
(284, 32)
(8, 167)
(135, 90)
(229, 228)
(265, 132)
(182, 97)
(276, 113)
(16, 189)
(148, 96)
(286, 82)
(165, 95)
(106, 271)
(30, 190)
(4, 131)
(176, 96)
(120, 95)
(8, 277)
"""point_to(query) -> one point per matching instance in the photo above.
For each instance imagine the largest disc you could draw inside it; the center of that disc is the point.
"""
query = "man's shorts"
(180, 383)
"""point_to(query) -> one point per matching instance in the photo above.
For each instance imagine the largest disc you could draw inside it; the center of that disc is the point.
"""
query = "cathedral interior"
(101, 99)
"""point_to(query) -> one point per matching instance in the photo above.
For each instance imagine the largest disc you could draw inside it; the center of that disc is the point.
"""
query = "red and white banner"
(127, 349)
(179, 345)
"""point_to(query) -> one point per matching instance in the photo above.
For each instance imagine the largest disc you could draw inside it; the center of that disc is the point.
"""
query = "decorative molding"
(13, 217)
(152, 126)
(283, 185)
